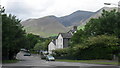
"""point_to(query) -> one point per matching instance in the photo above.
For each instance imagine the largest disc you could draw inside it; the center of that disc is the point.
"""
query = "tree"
(102, 46)
(31, 40)
(108, 24)
(77, 38)
(12, 35)
(102, 35)
(96, 47)
(42, 44)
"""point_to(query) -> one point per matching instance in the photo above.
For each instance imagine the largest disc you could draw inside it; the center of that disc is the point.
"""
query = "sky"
(25, 9)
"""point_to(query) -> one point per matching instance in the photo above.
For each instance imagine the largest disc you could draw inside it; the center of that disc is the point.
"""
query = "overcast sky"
(25, 9)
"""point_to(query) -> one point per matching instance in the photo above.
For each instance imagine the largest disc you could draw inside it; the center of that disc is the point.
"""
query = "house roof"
(71, 31)
(54, 42)
(66, 35)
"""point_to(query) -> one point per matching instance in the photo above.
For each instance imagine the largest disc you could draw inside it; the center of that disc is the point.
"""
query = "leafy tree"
(60, 52)
(39, 46)
(102, 37)
(45, 46)
(42, 45)
(95, 47)
(77, 38)
(108, 24)
(102, 47)
(31, 40)
(12, 36)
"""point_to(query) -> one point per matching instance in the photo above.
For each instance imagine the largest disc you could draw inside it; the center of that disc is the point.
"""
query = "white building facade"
(51, 47)
(62, 40)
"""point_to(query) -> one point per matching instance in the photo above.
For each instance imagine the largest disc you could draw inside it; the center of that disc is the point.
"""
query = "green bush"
(99, 47)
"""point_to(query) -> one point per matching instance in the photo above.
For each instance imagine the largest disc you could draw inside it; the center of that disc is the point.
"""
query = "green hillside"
(81, 27)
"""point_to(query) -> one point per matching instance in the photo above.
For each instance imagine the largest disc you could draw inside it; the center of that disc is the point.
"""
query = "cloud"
(25, 9)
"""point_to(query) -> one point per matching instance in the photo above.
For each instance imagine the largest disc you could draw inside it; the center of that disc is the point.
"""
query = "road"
(34, 61)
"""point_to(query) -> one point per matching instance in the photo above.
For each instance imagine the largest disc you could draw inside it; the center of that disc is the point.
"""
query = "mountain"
(52, 25)
(44, 27)
(98, 14)
(75, 18)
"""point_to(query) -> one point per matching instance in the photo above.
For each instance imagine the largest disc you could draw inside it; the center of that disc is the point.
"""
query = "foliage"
(80, 34)
(10, 61)
(108, 24)
(62, 53)
(31, 40)
(96, 47)
(12, 35)
(42, 44)
(98, 40)
(81, 27)
(100, 47)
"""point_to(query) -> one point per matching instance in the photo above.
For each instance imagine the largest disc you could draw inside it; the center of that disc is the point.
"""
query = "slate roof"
(71, 31)
(54, 41)
(66, 35)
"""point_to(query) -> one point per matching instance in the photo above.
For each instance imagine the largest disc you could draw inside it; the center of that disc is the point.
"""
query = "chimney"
(74, 28)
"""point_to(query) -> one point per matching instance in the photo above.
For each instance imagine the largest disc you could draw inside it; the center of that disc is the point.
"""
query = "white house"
(51, 46)
(62, 40)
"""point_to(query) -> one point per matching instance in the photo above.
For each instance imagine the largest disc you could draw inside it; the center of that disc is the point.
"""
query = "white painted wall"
(51, 47)
(59, 42)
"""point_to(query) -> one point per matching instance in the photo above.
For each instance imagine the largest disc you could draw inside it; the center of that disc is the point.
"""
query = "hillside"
(98, 14)
(52, 25)
(75, 18)
(44, 27)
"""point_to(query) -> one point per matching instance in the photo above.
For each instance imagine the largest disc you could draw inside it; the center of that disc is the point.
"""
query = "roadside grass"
(106, 62)
(9, 61)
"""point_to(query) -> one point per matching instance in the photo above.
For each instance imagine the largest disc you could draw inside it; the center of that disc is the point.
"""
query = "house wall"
(65, 42)
(59, 42)
(51, 47)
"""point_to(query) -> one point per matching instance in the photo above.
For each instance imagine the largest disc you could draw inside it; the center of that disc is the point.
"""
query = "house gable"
(62, 40)
(59, 41)
(51, 47)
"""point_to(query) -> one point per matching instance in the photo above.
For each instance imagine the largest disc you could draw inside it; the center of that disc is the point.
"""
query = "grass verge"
(107, 62)
(9, 61)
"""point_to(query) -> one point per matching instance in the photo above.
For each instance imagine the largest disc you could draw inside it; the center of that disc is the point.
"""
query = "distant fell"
(51, 25)
(75, 18)
(45, 27)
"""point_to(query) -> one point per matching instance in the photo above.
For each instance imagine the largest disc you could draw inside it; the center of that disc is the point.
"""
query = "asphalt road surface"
(34, 61)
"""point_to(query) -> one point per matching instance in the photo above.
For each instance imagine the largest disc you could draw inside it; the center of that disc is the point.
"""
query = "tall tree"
(12, 36)
(108, 24)
(31, 40)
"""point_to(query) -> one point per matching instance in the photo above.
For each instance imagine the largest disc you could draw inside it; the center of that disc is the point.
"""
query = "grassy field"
(107, 62)
(9, 61)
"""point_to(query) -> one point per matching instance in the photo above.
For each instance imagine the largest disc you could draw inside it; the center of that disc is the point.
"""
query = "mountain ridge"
(52, 25)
